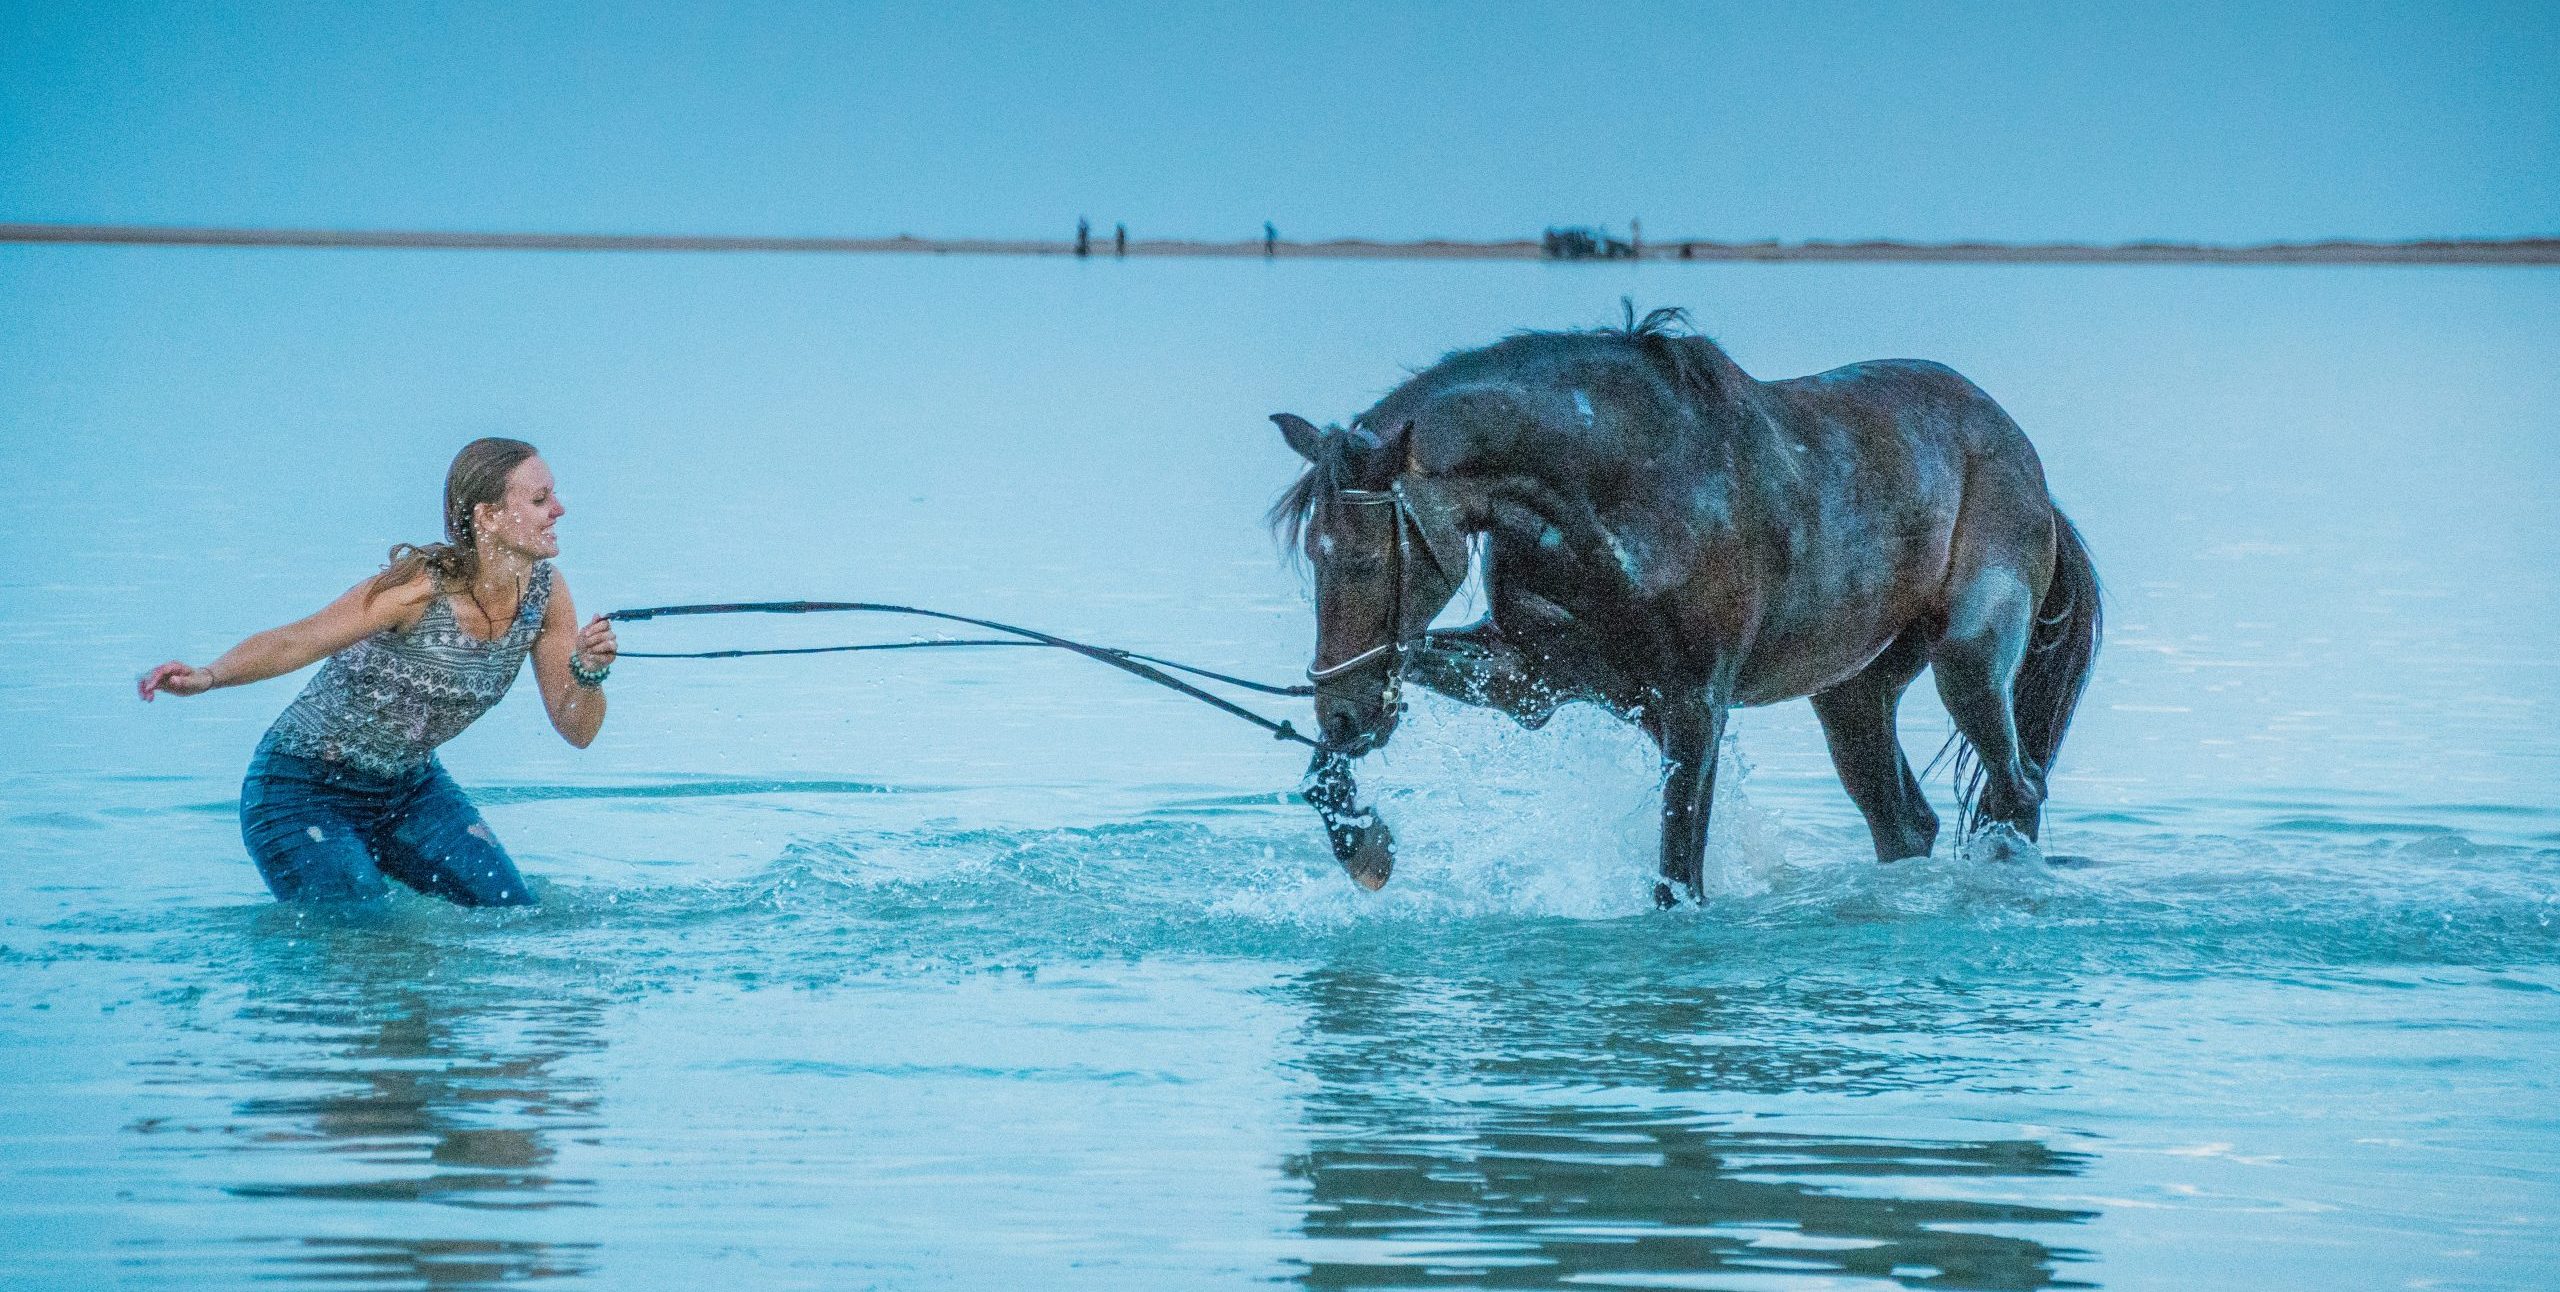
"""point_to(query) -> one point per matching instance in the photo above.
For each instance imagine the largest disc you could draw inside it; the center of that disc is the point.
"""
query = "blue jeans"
(325, 832)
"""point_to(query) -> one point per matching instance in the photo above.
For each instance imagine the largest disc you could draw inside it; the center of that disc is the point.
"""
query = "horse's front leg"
(1360, 840)
(1474, 665)
(1690, 733)
(1471, 665)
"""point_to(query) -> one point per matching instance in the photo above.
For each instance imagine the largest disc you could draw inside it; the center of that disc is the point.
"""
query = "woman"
(346, 789)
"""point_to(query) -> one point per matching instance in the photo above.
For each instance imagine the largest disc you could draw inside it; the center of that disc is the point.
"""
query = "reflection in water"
(426, 1262)
(387, 1065)
(1529, 1196)
(1531, 1136)
(399, 1084)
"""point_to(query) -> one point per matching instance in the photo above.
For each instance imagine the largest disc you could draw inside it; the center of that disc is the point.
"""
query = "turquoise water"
(944, 970)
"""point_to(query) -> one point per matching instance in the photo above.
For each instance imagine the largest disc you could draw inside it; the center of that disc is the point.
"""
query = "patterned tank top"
(385, 703)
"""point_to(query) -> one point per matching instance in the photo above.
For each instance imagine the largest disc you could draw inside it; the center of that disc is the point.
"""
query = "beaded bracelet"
(590, 678)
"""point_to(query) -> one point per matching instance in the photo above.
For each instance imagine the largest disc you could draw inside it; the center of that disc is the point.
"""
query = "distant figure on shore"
(1270, 240)
(1084, 236)
(1686, 249)
(1119, 239)
(1635, 237)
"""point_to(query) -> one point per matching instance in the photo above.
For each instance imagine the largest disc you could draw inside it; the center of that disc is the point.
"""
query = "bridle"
(1400, 641)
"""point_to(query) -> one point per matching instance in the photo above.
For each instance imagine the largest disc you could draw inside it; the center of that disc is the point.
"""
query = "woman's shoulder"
(393, 600)
(408, 590)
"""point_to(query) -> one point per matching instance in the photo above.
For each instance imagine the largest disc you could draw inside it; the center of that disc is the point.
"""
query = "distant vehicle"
(1585, 244)
(1580, 243)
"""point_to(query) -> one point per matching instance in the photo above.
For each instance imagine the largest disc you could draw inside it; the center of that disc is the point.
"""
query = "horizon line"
(2326, 251)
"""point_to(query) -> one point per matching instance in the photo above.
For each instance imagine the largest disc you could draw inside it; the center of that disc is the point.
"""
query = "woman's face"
(523, 524)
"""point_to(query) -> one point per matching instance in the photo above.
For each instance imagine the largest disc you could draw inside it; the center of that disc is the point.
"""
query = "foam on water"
(1253, 879)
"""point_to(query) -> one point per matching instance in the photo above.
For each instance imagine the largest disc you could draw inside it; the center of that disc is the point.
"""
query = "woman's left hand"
(596, 645)
(176, 678)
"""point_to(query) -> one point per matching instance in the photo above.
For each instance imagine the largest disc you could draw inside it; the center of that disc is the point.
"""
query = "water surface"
(932, 969)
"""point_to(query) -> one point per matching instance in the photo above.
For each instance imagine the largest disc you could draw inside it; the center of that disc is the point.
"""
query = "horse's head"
(1388, 551)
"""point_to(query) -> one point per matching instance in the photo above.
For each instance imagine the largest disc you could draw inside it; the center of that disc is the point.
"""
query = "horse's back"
(1911, 428)
(1927, 403)
(1890, 442)
(1920, 400)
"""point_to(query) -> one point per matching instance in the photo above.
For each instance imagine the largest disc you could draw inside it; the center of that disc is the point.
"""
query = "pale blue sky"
(2023, 121)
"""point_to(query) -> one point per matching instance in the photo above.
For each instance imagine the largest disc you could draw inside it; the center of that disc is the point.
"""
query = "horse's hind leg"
(1858, 719)
(1989, 623)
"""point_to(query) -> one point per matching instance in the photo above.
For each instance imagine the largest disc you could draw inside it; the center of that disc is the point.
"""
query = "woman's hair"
(478, 474)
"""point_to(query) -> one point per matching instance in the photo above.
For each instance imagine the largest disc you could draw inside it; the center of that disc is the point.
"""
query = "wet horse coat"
(1665, 535)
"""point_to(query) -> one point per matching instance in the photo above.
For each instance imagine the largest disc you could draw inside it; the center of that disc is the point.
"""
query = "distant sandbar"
(2451, 251)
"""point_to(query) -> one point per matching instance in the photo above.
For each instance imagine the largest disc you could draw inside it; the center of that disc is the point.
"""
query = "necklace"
(497, 629)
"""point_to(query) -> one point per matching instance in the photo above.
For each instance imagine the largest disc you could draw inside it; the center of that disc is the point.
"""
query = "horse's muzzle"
(1355, 727)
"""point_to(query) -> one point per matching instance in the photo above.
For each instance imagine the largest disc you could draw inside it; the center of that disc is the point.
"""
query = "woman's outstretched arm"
(577, 709)
(342, 623)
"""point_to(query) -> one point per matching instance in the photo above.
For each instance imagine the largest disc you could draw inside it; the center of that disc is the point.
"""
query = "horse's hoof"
(2000, 843)
(1372, 857)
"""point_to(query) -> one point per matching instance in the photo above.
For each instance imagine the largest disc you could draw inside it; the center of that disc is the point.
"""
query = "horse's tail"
(2061, 652)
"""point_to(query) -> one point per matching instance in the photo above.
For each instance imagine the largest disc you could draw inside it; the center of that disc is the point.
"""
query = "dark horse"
(1669, 537)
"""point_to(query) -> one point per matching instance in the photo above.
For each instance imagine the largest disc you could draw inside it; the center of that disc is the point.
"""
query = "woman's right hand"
(176, 679)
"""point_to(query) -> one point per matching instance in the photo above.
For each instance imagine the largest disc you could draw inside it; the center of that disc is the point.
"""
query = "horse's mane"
(1664, 337)
(1296, 507)
(1658, 321)
(1691, 358)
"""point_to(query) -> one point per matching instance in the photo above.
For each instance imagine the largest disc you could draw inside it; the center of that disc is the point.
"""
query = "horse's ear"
(1370, 454)
(1401, 445)
(1302, 435)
